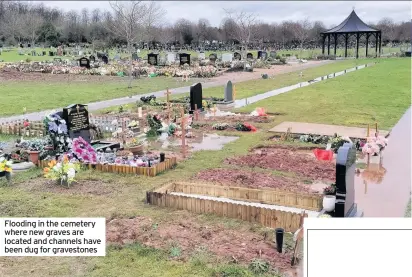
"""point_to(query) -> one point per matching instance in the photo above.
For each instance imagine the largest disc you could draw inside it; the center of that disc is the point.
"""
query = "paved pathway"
(125, 100)
(390, 197)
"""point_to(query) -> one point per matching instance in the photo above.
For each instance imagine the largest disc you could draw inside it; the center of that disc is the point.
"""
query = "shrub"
(259, 266)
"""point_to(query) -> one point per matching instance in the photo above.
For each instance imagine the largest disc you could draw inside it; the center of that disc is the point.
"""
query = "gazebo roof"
(352, 24)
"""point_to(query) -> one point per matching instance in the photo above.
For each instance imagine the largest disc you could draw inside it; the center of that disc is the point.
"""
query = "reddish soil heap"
(289, 160)
(231, 244)
(251, 179)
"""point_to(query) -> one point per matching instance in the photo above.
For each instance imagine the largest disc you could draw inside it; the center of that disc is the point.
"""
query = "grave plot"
(271, 208)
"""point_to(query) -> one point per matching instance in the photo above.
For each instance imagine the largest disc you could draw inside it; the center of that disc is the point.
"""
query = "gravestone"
(51, 53)
(273, 54)
(152, 59)
(184, 58)
(345, 181)
(77, 120)
(43, 53)
(229, 92)
(262, 55)
(237, 56)
(135, 57)
(213, 57)
(227, 57)
(92, 58)
(57, 60)
(84, 62)
(249, 56)
(196, 96)
(21, 45)
(202, 56)
(105, 59)
(171, 57)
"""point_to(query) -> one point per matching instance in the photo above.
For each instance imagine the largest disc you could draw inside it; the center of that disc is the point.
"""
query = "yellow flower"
(52, 163)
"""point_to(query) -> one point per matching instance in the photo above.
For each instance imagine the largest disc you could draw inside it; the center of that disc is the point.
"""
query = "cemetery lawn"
(39, 95)
(380, 93)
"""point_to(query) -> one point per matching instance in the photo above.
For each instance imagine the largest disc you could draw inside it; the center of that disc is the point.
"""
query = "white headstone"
(202, 56)
(227, 57)
(171, 57)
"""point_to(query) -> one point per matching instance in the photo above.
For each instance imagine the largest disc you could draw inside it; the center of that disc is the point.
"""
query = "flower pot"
(136, 150)
(34, 156)
(329, 203)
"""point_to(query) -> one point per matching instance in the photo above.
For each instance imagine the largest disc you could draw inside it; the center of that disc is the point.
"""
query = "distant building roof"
(352, 24)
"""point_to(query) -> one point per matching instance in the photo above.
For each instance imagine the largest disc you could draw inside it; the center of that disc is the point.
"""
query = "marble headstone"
(171, 57)
(227, 57)
(196, 96)
(202, 56)
(152, 59)
(229, 92)
(237, 56)
(77, 119)
(184, 58)
(249, 56)
(84, 62)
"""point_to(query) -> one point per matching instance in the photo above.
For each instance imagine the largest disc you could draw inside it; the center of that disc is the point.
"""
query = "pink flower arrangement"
(370, 148)
(84, 151)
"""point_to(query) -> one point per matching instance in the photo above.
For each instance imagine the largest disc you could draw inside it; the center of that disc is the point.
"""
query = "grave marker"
(171, 57)
(92, 58)
(213, 57)
(135, 57)
(273, 54)
(77, 119)
(249, 56)
(84, 62)
(227, 57)
(105, 59)
(202, 56)
(237, 56)
(196, 96)
(262, 55)
(167, 93)
(152, 59)
(229, 92)
(345, 181)
(184, 58)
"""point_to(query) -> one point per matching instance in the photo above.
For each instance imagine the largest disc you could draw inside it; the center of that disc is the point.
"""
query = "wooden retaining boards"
(265, 196)
(35, 129)
(267, 217)
(126, 169)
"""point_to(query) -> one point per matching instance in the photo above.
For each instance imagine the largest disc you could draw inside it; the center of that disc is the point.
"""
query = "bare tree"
(154, 16)
(388, 28)
(127, 22)
(302, 31)
(245, 23)
(32, 22)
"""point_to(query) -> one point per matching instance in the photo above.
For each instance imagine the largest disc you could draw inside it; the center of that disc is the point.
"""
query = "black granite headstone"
(105, 59)
(345, 181)
(84, 62)
(212, 57)
(77, 119)
(249, 56)
(92, 58)
(51, 53)
(184, 58)
(21, 45)
(237, 56)
(152, 59)
(29, 45)
(196, 96)
(262, 55)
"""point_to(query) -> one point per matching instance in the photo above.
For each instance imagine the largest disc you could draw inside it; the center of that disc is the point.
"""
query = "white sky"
(331, 13)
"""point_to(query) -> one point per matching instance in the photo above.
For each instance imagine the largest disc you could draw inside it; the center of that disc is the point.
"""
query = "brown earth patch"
(235, 119)
(230, 244)
(83, 187)
(251, 179)
(288, 160)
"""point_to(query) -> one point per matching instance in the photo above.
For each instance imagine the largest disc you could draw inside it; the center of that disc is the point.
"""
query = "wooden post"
(376, 127)
(123, 131)
(167, 93)
(368, 131)
(182, 124)
(214, 110)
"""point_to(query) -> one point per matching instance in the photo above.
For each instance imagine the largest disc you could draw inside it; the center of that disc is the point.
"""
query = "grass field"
(380, 93)
(13, 56)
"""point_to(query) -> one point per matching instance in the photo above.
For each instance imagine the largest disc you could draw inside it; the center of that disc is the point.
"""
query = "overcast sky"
(331, 13)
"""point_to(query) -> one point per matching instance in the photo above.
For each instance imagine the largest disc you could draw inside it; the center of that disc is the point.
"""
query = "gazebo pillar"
(367, 43)
(357, 45)
(380, 43)
(328, 44)
(376, 44)
(336, 41)
(323, 43)
(346, 45)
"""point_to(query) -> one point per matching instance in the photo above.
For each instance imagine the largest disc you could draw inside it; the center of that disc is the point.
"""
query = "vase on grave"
(328, 203)
(62, 182)
(34, 156)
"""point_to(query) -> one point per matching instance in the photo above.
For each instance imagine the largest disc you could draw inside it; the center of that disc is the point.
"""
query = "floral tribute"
(5, 165)
(56, 127)
(64, 171)
(83, 151)
(375, 145)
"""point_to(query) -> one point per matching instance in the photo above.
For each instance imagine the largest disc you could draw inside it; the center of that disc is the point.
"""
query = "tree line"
(143, 23)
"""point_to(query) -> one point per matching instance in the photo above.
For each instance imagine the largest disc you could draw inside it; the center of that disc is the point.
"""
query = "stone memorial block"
(227, 57)
(237, 56)
(196, 96)
(44, 53)
(249, 56)
(202, 56)
(273, 54)
(184, 58)
(105, 59)
(92, 58)
(152, 59)
(77, 120)
(171, 57)
(229, 92)
(135, 57)
(213, 57)
(345, 181)
(80, 53)
(21, 45)
(262, 55)
(51, 53)
(84, 62)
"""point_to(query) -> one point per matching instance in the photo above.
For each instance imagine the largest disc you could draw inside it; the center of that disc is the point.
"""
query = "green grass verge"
(409, 209)
(380, 93)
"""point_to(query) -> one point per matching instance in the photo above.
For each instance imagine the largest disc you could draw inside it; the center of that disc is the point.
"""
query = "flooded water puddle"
(200, 141)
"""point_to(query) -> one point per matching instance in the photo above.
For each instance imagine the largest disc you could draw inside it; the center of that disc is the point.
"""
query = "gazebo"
(352, 25)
